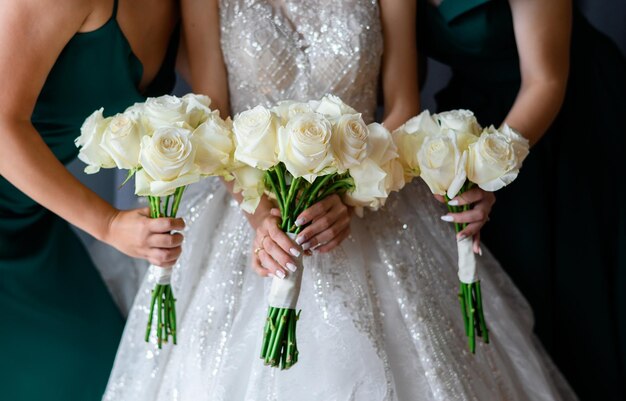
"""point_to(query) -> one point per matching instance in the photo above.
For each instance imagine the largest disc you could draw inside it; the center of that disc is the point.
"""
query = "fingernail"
(453, 202)
(461, 237)
(300, 240)
(280, 274)
(300, 221)
(306, 245)
(449, 219)
(480, 251)
(270, 274)
(294, 252)
(291, 267)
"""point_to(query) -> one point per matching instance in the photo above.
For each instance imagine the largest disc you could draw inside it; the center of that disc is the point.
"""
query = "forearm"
(28, 164)
(535, 108)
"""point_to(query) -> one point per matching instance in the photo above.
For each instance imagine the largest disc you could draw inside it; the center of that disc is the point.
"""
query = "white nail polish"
(449, 219)
(280, 274)
(480, 251)
(291, 267)
(300, 222)
(306, 245)
(300, 240)
(270, 275)
(461, 237)
(453, 202)
(294, 252)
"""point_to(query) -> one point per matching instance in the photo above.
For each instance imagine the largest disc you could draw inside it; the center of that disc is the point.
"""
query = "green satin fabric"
(60, 328)
(559, 229)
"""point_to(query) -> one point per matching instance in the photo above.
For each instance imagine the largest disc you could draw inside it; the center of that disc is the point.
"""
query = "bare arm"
(27, 53)
(399, 63)
(542, 32)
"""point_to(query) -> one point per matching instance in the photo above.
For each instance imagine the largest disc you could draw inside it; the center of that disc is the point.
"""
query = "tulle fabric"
(380, 318)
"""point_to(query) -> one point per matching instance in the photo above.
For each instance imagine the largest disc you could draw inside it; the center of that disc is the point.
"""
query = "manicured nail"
(280, 274)
(461, 237)
(453, 202)
(294, 252)
(306, 245)
(449, 219)
(480, 251)
(300, 240)
(292, 267)
(270, 275)
(300, 221)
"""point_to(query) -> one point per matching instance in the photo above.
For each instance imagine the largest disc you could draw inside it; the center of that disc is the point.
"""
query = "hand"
(272, 248)
(330, 225)
(134, 233)
(476, 218)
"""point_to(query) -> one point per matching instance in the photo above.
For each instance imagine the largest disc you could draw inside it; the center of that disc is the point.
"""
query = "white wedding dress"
(380, 316)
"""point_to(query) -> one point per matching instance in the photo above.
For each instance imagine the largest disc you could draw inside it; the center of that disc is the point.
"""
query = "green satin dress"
(559, 229)
(60, 328)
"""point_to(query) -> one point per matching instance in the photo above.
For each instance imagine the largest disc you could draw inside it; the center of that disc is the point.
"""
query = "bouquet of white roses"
(302, 152)
(167, 143)
(451, 153)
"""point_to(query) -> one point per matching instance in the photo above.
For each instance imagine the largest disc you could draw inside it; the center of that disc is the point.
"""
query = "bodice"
(280, 49)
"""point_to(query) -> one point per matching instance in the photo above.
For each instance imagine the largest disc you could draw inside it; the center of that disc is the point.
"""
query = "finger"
(476, 244)
(329, 234)
(321, 224)
(275, 212)
(144, 211)
(335, 242)
(258, 269)
(317, 210)
(166, 224)
(468, 197)
(165, 240)
(440, 198)
(471, 216)
(283, 241)
(278, 254)
(470, 231)
(164, 257)
(270, 264)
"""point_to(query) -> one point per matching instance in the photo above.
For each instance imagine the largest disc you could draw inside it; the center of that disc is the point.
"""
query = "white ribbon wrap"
(163, 275)
(284, 293)
(467, 261)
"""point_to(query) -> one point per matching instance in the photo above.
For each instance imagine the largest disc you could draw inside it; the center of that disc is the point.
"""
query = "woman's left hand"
(475, 218)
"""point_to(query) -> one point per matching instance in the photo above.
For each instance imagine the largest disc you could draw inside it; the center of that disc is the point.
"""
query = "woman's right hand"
(134, 233)
(273, 250)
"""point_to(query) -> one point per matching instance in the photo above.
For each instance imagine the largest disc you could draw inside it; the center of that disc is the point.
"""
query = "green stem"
(481, 316)
(159, 322)
(470, 315)
(172, 301)
(152, 301)
(274, 187)
(280, 171)
(167, 203)
(463, 308)
(178, 195)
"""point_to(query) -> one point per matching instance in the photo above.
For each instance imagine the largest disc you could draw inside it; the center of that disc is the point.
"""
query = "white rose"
(249, 182)
(369, 186)
(122, 140)
(349, 140)
(214, 146)
(91, 153)
(409, 138)
(167, 158)
(380, 144)
(495, 159)
(287, 109)
(460, 121)
(442, 164)
(255, 131)
(304, 145)
(331, 106)
(197, 109)
(164, 111)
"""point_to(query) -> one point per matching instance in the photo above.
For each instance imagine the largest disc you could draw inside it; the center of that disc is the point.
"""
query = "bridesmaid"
(559, 230)
(58, 63)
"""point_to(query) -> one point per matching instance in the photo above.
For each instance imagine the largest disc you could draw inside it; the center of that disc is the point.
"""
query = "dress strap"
(115, 8)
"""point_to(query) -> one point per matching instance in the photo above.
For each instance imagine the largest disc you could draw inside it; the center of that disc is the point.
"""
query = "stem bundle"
(162, 295)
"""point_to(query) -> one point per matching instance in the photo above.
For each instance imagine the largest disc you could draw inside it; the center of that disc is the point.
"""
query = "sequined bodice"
(291, 49)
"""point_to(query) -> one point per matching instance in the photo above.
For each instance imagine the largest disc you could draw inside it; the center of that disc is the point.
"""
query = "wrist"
(103, 231)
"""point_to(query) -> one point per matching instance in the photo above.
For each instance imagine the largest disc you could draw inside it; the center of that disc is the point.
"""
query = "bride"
(380, 319)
